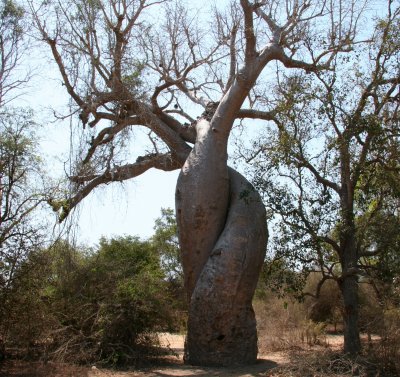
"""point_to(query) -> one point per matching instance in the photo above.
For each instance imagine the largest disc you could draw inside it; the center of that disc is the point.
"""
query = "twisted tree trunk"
(223, 234)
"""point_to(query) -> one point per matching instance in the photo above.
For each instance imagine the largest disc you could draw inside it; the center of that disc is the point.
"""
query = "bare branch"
(166, 162)
(257, 114)
(250, 51)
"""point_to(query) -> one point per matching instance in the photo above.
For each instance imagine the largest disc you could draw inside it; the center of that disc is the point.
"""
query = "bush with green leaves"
(165, 240)
(104, 305)
(113, 302)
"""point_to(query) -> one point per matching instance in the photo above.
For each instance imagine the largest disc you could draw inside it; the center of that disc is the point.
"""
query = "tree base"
(224, 341)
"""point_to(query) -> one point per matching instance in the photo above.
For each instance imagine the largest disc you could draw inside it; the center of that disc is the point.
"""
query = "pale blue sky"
(129, 208)
(116, 209)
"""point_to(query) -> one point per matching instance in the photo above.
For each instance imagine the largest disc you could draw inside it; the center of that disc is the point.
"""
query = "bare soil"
(173, 365)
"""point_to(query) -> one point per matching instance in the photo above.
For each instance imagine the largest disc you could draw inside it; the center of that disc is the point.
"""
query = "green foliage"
(82, 305)
(24, 315)
(165, 241)
(279, 277)
(11, 16)
(133, 77)
(381, 238)
(115, 298)
(17, 141)
(21, 192)
(388, 35)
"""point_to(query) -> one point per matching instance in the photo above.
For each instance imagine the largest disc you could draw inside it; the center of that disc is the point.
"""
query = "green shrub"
(116, 300)
(103, 305)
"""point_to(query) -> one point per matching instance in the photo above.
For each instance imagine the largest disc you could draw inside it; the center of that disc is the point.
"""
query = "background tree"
(22, 187)
(122, 73)
(165, 241)
(11, 50)
(22, 179)
(22, 182)
(335, 154)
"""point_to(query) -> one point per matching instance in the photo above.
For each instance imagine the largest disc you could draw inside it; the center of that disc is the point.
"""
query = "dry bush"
(387, 351)
(371, 319)
(328, 306)
(278, 324)
(381, 315)
(70, 346)
(284, 325)
(328, 364)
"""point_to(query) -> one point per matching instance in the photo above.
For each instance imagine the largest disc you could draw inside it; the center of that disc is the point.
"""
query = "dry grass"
(288, 330)
(328, 363)
(19, 368)
(312, 353)
(300, 361)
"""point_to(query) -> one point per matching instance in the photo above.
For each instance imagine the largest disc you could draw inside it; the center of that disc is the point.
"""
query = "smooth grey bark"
(223, 234)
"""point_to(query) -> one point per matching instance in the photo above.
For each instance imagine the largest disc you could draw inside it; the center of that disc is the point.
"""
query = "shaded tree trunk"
(349, 288)
(349, 260)
(223, 234)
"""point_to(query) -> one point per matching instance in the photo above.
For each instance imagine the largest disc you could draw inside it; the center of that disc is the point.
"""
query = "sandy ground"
(177, 368)
(172, 367)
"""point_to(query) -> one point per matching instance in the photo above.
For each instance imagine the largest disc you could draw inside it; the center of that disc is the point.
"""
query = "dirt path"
(173, 365)
(177, 368)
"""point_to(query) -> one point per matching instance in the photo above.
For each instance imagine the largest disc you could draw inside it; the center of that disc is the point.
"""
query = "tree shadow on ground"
(255, 370)
(19, 368)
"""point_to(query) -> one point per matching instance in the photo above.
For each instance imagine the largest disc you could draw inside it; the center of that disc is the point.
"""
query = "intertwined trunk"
(223, 234)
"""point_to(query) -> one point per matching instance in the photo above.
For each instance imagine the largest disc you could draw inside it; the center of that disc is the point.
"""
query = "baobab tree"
(149, 64)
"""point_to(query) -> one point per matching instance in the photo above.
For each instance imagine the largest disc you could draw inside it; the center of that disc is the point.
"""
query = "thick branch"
(257, 114)
(165, 162)
(289, 62)
(250, 52)
(61, 67)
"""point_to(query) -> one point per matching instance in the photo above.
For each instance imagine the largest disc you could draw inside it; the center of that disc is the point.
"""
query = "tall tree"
(20, 172)
(21, 176)
(335, 153)
(22, 228)
(11, 50)
(147, 64)
(21, 192)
